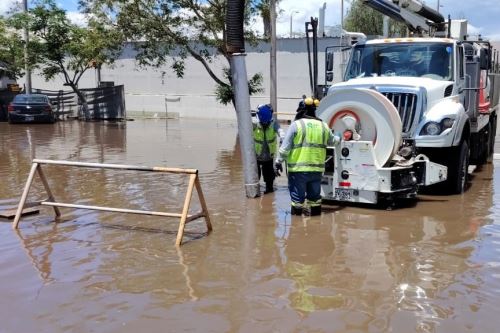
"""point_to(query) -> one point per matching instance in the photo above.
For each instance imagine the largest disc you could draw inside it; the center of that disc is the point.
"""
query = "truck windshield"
(432, 60)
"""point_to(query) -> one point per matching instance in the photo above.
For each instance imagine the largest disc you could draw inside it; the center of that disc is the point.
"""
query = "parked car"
(30, 108)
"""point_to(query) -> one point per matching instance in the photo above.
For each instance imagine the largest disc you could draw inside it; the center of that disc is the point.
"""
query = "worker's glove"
(278, 168)
(336, 139)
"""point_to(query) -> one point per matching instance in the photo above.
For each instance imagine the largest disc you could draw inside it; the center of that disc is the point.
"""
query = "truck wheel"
(458, 168)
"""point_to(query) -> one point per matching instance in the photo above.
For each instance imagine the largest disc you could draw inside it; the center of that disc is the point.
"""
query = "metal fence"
(64, 103)
(104, 103)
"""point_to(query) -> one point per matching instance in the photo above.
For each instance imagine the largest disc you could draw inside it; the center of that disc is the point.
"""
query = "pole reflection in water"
(39, 253)
(185, 272)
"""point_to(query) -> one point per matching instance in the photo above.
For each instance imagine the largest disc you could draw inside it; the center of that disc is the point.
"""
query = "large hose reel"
(366, 113)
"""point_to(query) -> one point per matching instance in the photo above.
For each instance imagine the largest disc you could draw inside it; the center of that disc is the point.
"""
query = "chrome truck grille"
(406, 104)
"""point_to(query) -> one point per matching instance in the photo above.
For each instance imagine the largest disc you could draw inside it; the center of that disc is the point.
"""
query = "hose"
(234, 26)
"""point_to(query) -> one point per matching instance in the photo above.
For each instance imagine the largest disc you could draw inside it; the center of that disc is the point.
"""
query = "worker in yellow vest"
(266, 131)
(304, 148)
(303, 108)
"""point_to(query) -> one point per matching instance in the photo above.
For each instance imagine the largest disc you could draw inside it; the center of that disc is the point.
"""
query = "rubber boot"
(313, 211)
(269, 188)
(296, 210)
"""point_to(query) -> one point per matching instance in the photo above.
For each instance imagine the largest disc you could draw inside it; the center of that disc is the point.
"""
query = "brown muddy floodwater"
(434, 267)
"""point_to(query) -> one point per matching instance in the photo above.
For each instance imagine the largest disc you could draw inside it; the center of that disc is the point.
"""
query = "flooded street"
(432, 267)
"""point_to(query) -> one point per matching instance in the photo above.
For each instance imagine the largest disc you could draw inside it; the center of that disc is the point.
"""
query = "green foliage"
(59, 47)
(264, 9)
(63, 47)
(224, 93)
(167, 31)
(11, 50)
(362, 18)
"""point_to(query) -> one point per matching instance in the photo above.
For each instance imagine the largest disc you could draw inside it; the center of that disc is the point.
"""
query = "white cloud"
(482, 19)
(301, 11)
(77, 18)
(473, 30)
(7, 5)
(306, 10)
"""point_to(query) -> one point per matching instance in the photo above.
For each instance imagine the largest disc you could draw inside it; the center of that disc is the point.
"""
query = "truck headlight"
(431, 128)
(447, 123)
(434, 128)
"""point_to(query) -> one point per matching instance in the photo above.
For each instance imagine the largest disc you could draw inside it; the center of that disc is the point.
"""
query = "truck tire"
(458, 166)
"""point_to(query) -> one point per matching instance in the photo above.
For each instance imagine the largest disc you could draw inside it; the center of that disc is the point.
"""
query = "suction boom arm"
(417, 16)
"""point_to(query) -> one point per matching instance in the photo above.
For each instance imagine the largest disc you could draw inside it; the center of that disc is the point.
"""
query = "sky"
(483, 15)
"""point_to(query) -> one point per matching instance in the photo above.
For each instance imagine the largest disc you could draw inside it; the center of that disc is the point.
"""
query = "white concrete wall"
(193, 96)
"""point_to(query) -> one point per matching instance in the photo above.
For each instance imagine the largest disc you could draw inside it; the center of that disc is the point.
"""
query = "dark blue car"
(30, 108)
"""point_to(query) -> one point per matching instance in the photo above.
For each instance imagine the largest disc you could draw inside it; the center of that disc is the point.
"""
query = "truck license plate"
(342, 194)
(29, 118)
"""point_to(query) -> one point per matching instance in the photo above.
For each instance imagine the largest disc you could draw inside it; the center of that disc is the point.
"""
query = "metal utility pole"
(98, 69)
(438, 7)
(273, 93)
(385, 27)
(321, 23)
(342, 17)
(291, 21)
(312, 27)
(26, 58)
(235, 44)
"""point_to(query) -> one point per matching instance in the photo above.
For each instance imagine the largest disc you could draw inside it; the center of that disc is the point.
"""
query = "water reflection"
(425, 268)
(385, 263)
(39, 254)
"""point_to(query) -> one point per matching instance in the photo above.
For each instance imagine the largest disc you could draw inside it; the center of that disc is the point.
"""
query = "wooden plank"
(11, 213)
(47, 189)
(203, 204)
(185, 209)
(194, 217)
(24, 196)
(110, 209)
(117, 166)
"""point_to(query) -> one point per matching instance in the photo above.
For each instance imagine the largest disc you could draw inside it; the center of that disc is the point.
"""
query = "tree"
(171, 30)
(11, 50)
(362, 18)
(62, 48)
(264, 8)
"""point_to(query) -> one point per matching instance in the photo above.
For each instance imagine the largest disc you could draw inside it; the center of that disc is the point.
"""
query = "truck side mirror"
(329, 61)
(484, 59)
(329, 76)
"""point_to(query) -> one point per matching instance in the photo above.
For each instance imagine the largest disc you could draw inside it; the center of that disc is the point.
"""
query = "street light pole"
(291, 20)
(342, 16)
(273, 70)
(26, 57)
(341, 22)
(438, 7)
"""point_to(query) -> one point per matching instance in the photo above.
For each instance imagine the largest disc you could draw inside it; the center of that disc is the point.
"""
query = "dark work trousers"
(267, 170)
(305, 185)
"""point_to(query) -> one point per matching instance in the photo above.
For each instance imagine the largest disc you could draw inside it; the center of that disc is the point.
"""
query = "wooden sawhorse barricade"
(194, 182)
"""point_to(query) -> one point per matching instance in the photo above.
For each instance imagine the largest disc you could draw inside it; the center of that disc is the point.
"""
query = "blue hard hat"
(265, 113)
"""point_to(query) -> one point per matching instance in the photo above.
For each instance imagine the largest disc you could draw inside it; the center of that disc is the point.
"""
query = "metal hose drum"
(367, 112)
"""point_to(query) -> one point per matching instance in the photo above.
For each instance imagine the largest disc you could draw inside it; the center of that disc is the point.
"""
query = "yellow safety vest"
(268, 135)
(308, 152)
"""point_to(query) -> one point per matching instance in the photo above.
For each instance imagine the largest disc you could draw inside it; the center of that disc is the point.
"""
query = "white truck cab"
(439, 87)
